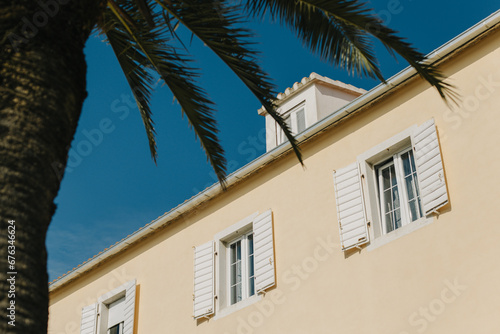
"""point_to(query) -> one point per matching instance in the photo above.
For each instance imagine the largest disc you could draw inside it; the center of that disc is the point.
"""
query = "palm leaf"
(315, 21)
(219, 26)
(139, 47)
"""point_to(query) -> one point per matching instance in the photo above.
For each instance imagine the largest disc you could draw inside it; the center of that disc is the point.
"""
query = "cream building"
(390, 227)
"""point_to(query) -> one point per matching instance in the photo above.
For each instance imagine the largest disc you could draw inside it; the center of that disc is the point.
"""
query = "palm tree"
(42, 74)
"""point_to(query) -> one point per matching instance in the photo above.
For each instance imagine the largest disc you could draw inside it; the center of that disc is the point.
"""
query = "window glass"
(390, 194)
(235, 272)
(115, 329)
(241, 269)
(410, 175)
(301, 121)
(251, 274)
(398, 191)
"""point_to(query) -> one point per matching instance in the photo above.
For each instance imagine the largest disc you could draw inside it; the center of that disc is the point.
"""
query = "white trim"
(116, 294)
(398, 233)
(367, 162)
(388, 147)
(229, 234)
(221, 313)
(112, 296)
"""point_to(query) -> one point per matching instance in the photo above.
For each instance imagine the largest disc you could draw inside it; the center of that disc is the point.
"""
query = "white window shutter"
(433, 193)
(89, 317)
(350, 207)
(204, 280)
(129, 312)
(264, 251)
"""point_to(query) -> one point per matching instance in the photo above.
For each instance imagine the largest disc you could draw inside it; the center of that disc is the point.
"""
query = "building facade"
(390, 227)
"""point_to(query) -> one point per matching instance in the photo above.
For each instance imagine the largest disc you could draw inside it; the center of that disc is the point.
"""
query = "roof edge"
(313, 78)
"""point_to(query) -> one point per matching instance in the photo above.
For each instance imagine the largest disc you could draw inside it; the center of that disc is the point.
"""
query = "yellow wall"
(401, 287)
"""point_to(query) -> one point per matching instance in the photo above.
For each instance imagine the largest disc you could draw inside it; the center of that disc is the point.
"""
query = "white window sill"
(238, 306)
(398, 233)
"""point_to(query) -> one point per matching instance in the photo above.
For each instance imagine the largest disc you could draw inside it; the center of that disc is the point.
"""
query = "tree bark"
(42, 89)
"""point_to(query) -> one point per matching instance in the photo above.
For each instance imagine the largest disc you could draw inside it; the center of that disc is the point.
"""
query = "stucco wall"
(442, 278)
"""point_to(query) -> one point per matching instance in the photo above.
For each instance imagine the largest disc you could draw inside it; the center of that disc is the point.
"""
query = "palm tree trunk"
(42, 89)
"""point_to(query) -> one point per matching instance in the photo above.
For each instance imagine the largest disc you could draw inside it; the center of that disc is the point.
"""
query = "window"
(394, 184)
(116, 316)
(112, 314)
(296, 122)
(398, 191)
(232, 269)
(241, 268)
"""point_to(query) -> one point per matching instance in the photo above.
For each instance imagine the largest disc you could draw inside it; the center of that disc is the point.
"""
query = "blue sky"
(112, 187)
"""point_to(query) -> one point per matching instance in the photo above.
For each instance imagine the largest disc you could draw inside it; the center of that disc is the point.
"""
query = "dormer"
(305, 103)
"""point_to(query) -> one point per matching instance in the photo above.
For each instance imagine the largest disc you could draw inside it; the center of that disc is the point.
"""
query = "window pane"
(301, 121)
(414, 214)
(391, 199)
(394, 181)
(386, 176)
(235, 250)
(406, 164)
(235, 272)
(236, 293)
(411, 185)
(238, 251)
(389, 226)
(250, 244)
(114, 330)
(419, 203)
(387, 201)
(412, 161)
(237, 269)
(232, 253)
(395, 197)
(251, 284)
(397, 218)
(235, 263)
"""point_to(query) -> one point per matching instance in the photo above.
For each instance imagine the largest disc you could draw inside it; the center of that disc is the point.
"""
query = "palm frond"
(315, 20)
(218, 25)
(141, 49)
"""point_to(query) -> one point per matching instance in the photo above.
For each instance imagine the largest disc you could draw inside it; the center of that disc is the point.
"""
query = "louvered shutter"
(89, 317)
(350, 207)
(204, 280)
(129, 309)
(264, 251)
(433, 193)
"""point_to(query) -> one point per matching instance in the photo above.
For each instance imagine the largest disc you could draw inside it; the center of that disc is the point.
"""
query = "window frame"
(291, 115)
(245, 264)
(94, 317)
(120, 328)
(368, 163)
(396, 160)
(106, 300)
(108, 305)
(222, 239)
